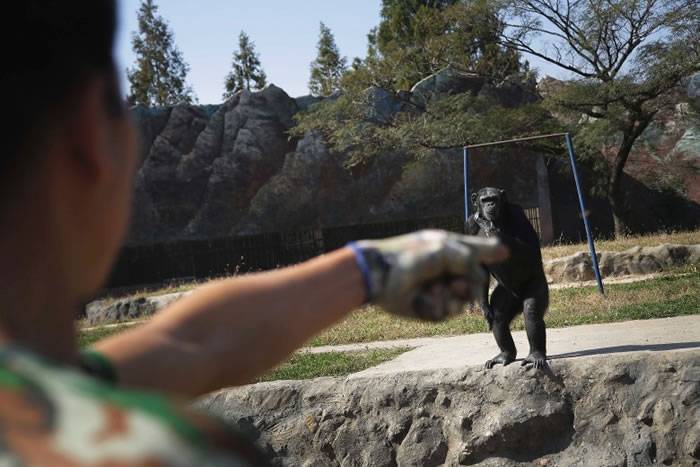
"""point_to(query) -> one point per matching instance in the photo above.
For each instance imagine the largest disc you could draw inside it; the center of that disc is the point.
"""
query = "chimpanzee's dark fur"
(522, 285)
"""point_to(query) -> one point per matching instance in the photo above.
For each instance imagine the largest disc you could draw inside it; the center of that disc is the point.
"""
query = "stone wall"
(635, 409)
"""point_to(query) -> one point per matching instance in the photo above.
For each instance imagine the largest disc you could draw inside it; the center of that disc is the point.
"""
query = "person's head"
(67, 150)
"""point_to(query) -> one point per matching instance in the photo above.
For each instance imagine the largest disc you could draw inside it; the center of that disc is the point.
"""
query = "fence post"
(465, 167)
(584, 214)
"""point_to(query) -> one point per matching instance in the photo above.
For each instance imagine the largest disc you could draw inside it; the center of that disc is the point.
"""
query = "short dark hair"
(49, 47)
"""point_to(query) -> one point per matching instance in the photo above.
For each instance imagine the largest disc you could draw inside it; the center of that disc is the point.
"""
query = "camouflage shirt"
(52, 415)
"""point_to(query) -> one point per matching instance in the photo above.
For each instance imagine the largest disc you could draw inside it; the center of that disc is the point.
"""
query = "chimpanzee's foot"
(504, 358)
(536, 360)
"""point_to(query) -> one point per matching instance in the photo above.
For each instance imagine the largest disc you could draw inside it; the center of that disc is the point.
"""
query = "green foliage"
(247, 72)
(86, 338)
(405, 32)
(628, 59)
(350, 126)
(160, 74)
(328, 67)
(417, 38)
(314, 365)
(374, 114)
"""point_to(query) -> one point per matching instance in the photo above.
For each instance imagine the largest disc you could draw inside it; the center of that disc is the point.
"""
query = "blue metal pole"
(584, 215)
(465, 166)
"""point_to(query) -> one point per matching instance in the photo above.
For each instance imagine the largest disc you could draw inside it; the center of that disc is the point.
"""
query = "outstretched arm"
(229, 332)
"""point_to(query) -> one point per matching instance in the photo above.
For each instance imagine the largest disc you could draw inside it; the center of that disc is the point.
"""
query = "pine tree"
(328, 67)
(246, 69)
(160, 73)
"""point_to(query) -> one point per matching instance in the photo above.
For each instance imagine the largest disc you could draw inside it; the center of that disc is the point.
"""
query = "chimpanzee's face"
(491, 201)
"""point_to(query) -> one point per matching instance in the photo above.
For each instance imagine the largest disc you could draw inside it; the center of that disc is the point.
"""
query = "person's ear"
(87, 129)
(475, 198)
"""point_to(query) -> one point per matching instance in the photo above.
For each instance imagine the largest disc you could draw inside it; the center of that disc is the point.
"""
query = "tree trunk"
(616, 196)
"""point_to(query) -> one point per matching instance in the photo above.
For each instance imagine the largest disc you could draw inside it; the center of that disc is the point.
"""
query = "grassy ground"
(298, 366)
(307, 366)
(555, 251)
(671, 295)
(655, 298)
(89, 337)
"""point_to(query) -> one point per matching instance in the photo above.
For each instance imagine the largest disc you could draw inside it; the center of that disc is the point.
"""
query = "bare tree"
(626, 57)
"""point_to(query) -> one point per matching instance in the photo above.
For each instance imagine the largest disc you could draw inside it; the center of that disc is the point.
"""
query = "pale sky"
(285, 34)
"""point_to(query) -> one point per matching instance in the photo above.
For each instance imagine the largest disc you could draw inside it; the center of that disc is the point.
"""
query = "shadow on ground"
(628, 348)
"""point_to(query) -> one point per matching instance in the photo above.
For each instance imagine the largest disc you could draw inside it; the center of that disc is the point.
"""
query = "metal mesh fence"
(197, 259)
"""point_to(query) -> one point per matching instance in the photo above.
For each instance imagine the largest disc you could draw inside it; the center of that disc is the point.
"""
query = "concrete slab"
(668, 334)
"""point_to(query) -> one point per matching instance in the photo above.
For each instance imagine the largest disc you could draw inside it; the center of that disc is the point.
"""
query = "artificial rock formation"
(637, 409)
(634, 261)
(232, 169)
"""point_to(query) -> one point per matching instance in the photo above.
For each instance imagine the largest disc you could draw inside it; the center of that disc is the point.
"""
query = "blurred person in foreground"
(66, 168)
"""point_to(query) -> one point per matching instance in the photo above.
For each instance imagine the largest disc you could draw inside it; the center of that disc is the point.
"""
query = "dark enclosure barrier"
(200, 259)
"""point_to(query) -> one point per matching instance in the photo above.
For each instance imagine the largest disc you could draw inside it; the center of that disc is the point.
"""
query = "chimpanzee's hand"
(428, 274)
(487, 227)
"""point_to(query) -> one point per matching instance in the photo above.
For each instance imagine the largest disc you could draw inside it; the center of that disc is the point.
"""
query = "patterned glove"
(428, 274)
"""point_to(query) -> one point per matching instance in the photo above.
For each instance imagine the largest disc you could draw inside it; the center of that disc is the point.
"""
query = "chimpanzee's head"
(489, 202)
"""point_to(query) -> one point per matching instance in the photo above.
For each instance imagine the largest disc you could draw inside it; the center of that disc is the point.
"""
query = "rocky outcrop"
(232, 169)
(638, 409)
(206, 164)
(445, 82)
(635, 261)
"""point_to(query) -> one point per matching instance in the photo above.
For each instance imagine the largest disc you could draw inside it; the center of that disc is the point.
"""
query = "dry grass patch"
(654, 298)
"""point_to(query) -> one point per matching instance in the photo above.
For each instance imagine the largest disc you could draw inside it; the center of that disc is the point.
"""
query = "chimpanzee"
(522, 285)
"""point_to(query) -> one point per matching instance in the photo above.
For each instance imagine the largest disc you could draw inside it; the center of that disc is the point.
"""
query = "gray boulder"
(444, 82)
(108, 311)
(304, 102)
(635, 261)
(382, 104)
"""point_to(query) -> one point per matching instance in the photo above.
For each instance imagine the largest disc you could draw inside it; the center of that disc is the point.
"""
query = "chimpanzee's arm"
(518, 234)
(484, 301)
(471, 227)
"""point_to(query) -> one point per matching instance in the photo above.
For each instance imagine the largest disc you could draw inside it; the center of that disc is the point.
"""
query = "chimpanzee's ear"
(475, 198)
(504, 197)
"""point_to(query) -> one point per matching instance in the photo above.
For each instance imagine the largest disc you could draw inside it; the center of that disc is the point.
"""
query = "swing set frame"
(579, 192)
